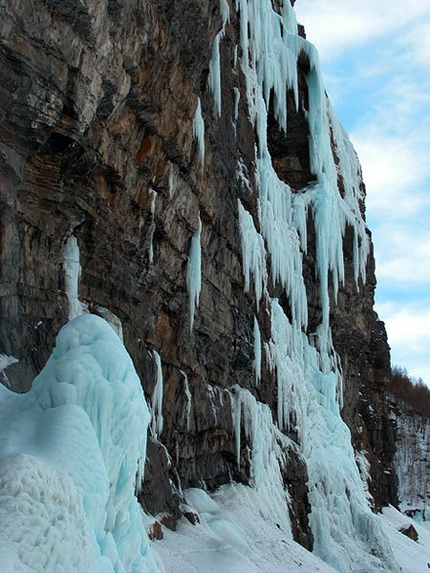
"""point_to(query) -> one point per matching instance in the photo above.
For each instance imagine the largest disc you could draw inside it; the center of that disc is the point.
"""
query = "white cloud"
(338, 24)
(393, 168)
(403, 258)
(417, 42)
(408, 328)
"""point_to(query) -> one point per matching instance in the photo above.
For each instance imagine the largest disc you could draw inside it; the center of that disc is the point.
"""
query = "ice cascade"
(306, 366)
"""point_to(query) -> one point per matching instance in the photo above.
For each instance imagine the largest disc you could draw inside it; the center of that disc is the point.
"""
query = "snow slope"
(69, 453)
(233, 537)
(412, 556)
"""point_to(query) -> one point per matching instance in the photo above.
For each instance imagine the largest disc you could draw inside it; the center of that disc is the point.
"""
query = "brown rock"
(409, 531)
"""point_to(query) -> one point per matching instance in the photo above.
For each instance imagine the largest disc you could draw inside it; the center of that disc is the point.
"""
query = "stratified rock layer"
(98, 102)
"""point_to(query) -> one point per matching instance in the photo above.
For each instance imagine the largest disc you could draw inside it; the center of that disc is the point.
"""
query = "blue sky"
(375, 59)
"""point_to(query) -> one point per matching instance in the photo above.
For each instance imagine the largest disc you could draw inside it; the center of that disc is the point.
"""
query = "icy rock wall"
(412, 461)
(218, 210)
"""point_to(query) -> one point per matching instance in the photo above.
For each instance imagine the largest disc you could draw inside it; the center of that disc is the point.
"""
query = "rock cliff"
(155, 145)
(412, 460)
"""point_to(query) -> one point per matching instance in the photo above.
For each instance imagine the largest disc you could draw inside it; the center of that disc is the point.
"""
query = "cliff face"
(207, 221)
(412, 460)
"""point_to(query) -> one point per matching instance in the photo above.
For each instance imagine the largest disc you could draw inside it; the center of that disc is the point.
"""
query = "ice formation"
(72, 273)
(268, 445)
(306, 366)
(151, 245)
(69, 453)
(5, 362)
(199, 132)
(194, 272)
(157, 399)
(71, 447)
(257, 351)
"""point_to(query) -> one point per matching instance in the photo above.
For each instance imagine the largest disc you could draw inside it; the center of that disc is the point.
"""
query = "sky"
(375, 60)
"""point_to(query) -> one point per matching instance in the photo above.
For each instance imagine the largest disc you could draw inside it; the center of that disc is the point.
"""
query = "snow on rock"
(69, 453)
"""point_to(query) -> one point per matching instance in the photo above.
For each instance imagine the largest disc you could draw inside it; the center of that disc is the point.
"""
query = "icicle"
(236, 103)
(214, 79)
(157, 399)
(151, 246)
(257, 352)
(194, 272)
(225, 12)
(237, 416)
(253, 253)
(199, 132)
(267, 450)
(171, 178)
(215, 72)
(72, 274)
(308, 374)
(189, 399)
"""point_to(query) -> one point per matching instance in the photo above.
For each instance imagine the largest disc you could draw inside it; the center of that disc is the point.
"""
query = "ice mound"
(69, 453)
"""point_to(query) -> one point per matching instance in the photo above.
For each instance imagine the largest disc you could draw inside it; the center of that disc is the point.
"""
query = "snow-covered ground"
(232, 537)
(412, 556)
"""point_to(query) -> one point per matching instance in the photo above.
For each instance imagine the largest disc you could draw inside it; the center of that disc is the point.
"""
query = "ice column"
(194, 272)
(257, 351)
(72, 274)
(151, 246)
(199, 131)
(306, 366)
(157, 398)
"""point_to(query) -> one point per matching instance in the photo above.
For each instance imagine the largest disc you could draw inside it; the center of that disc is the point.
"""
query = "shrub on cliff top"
(413, 392)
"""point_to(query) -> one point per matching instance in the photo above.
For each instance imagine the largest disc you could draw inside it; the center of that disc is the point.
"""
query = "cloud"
(403, 259)
(408, 328)
(417, 42)
(353, 25)
(395, 170)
